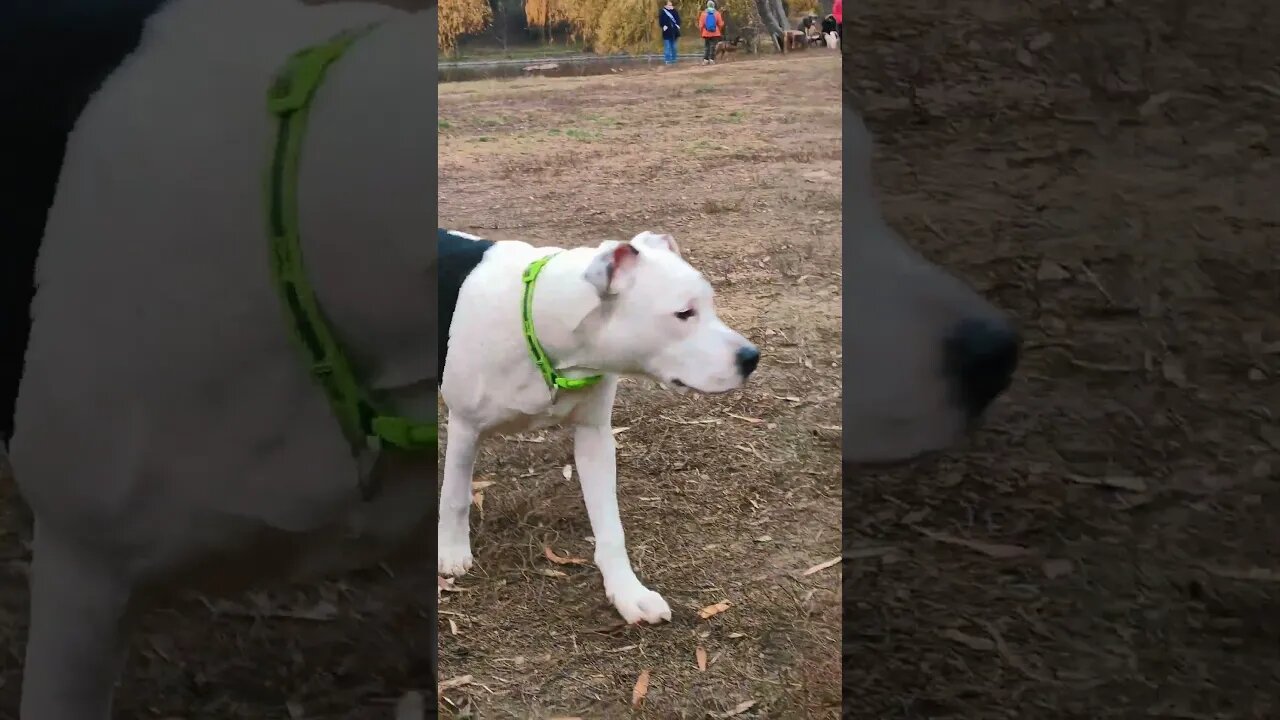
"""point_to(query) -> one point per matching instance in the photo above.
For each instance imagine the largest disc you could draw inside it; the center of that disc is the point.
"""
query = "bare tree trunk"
(502, 24)
(774, 18)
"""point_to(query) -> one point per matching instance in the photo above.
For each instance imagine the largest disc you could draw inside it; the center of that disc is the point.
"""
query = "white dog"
(161, 424)
(924, 354)
(168, 435)
(620, 308)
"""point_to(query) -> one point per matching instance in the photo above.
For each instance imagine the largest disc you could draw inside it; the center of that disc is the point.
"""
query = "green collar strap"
(289, 101)
(546, 368)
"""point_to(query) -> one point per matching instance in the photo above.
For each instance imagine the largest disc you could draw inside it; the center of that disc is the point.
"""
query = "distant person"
(712, 24)
(669, 21)
(831, 31)
(837, 11)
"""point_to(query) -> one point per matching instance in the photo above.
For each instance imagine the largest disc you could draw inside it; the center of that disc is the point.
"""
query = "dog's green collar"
(289, 101)
(555, 380)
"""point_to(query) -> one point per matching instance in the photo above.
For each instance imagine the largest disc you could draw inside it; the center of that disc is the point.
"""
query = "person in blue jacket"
(669, 21)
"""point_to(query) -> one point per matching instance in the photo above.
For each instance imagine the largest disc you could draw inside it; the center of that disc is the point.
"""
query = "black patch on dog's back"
(54, 55)
(458, 257)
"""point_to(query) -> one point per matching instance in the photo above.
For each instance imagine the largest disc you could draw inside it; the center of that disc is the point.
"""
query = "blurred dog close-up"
(219, 344)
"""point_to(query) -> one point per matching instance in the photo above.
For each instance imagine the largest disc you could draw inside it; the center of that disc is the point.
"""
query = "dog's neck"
(367, 230)
(568, 313)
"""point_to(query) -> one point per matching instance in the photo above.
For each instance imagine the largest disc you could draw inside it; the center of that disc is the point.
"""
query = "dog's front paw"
(453, 558)
(640, 604)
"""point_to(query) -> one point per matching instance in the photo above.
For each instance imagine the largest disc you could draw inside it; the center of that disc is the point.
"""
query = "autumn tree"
(624, 25)
(458, 18)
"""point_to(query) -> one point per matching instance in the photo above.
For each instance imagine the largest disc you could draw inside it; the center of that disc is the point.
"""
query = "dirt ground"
(726, 499)
(1108, 546)
(729, 498)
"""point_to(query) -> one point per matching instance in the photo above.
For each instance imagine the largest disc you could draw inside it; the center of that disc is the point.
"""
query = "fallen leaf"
(711, 611)
(641, 689)
(1270, 434)
(969, 641)
(455, 682)
(988, 549)
(700, 654)
(1040, 42)
(1057, 567)
(609, 629)
(914, 516)
(1173, 372)
(1154, 103)
(738, 709)
(320, 612)
(1050, 271)
(567, 472)
(561, 559)
(820, 566)
(551, 573)
(411, 706)
(1258, 574)
(744, 418)
(868, 552)
(1116, 482)
(477, 493)
(447, 585)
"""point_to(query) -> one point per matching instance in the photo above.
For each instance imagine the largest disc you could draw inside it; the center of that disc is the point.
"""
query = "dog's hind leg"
(596, 454)
(453, 532)
(78, 636)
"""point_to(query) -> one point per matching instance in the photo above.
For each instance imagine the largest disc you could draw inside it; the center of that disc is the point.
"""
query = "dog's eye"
(686, 314)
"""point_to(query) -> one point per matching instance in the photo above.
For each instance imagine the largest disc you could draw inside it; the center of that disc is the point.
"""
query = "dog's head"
(658, 318)
(925, 354)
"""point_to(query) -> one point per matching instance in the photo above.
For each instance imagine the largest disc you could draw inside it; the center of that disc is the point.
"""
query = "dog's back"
(458, 254)
(57, 55)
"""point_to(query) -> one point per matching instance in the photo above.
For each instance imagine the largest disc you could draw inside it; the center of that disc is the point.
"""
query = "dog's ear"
(613, 258)
(656, 241)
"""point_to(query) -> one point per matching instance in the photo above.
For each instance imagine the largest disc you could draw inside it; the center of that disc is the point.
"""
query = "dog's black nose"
(981, 357)
(748, 358)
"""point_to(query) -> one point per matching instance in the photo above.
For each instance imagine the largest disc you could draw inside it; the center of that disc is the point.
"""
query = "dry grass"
(700, 485)
(1107, 171)
(730, 498)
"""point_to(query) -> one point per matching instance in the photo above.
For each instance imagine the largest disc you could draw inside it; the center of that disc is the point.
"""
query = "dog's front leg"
(453, 532)
(77, 639)
(596, 455)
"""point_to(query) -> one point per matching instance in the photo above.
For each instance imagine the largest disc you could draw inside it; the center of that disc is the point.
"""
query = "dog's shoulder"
(459, 254)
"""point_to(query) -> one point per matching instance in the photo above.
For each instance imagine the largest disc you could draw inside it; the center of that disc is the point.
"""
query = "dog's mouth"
(681, 386)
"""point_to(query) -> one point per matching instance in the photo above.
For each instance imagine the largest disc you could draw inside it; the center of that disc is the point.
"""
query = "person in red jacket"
(711, 23)
(838, 11)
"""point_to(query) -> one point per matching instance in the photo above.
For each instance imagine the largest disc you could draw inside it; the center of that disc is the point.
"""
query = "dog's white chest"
(563, 408)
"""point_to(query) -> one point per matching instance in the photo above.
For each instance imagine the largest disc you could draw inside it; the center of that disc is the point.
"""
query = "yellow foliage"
(458, 18)
(629, 25)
